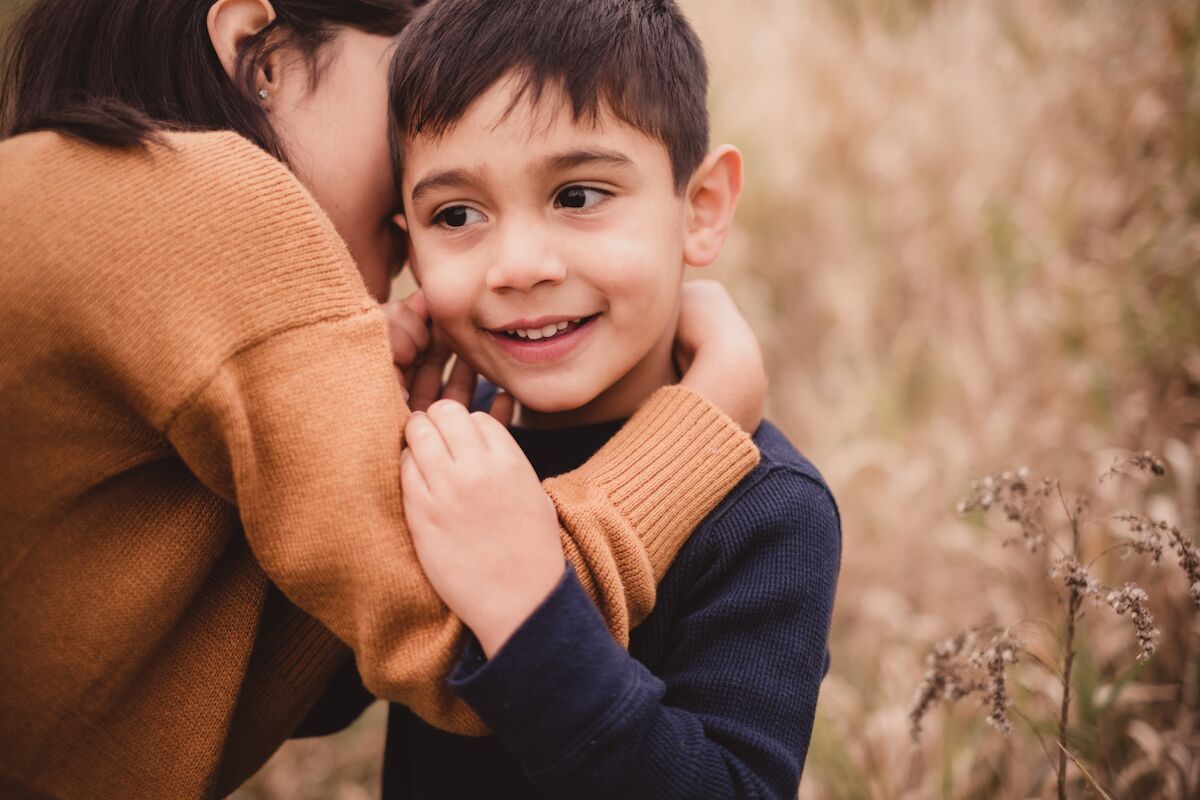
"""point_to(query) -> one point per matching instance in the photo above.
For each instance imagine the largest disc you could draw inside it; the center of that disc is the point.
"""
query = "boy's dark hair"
(639, 57)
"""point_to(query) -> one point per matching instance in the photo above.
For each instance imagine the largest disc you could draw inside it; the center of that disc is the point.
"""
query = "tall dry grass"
(972, 241)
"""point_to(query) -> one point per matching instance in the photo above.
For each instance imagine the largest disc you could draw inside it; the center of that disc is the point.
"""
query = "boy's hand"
(486, 534)
(408, 331)
(719, 354)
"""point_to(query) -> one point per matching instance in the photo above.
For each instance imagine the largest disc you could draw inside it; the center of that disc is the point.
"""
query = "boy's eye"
(579, 197)
(457, 217)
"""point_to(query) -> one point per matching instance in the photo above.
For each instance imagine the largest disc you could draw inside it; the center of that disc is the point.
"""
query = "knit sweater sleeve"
(730, 713)
(201, 289)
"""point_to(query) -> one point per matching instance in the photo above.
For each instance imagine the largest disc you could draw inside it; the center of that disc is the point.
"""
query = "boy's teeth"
(544, 332)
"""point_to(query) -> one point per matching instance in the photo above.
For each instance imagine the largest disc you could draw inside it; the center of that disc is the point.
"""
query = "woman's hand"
(408, 333)
(485, 533)
(719, 354)
(420, 356)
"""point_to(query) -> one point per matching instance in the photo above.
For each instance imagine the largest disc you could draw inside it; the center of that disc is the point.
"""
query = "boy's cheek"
(450, 306)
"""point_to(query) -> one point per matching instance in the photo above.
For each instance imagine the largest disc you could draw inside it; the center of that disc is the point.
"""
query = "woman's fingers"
(417, 304)
(408, 329)
(426, 383)
(503, 408)
(460, 385)
(719, 354)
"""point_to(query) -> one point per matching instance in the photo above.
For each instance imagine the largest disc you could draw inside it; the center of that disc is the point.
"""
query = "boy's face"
(551, 252)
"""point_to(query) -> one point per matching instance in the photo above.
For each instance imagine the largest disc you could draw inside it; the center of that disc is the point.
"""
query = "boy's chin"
(553, 401)
(552, 405)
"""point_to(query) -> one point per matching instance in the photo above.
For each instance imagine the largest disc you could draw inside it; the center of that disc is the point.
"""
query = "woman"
(199, 490)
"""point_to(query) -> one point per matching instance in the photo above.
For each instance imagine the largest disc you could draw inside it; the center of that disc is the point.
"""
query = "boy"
(555, 183)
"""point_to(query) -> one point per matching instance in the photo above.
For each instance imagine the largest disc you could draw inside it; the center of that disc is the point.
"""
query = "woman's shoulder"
(207, 213)
(178, 174)
(179, 253)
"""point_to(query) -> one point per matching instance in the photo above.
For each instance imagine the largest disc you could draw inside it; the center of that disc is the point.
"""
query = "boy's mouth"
(543, 340)
(522, 331)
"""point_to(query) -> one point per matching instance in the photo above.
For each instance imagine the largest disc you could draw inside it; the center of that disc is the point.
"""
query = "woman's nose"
(523, 260)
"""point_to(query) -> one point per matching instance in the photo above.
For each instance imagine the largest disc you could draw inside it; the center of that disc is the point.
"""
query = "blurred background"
(970, 241)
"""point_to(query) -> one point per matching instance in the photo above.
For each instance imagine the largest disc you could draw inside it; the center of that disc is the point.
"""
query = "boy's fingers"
(493, 432)
(460, 386)
(410, 474)
(458, 431)
(427, 446)
(503, 407)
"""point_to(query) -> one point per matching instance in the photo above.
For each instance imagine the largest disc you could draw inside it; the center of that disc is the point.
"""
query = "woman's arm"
(302, 431)
(719, 353)
(235, 323)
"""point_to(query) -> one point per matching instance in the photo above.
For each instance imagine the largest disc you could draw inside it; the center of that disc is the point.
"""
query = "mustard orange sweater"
(199, 489)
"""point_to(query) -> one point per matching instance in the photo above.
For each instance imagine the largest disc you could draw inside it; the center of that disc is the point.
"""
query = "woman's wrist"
(733, 380)
(719, 354)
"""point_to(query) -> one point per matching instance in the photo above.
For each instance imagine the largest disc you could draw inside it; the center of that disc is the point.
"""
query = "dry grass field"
(970, 242)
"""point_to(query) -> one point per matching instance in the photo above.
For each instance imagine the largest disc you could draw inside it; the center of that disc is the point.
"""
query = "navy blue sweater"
(716, 695)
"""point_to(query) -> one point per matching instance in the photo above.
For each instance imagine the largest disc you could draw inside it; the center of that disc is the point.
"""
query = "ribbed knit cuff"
(669, 467)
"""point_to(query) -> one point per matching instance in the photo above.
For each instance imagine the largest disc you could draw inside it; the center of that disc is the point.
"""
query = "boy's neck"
(618, 401)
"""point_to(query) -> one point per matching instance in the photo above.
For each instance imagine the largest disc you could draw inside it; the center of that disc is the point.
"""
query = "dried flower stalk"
(965, 665)
(1132, 599)
(974, 663)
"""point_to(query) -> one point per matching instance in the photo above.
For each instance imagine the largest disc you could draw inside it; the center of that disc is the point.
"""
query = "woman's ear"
(230, 24)
(712, 197)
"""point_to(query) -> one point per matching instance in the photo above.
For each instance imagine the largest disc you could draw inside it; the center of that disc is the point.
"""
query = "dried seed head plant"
(977, 662)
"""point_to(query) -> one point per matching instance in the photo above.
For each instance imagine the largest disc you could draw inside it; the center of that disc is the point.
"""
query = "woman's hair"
(116, 72)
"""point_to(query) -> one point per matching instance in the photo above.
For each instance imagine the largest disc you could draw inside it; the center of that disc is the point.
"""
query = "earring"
(263, 93)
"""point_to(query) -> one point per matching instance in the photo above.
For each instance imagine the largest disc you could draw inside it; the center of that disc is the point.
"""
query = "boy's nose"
(523, 261)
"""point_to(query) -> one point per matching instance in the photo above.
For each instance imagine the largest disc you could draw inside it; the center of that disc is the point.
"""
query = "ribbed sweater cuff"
(669, 467)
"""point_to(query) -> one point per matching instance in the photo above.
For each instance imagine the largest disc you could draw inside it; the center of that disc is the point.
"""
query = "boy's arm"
(731, 712)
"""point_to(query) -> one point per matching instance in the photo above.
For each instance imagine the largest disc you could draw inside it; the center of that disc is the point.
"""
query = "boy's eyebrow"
(447, 179)
(582, 157)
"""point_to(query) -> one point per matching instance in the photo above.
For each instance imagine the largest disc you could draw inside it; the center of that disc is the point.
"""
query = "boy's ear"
(230, 24)
(712, 197)
(401, 222)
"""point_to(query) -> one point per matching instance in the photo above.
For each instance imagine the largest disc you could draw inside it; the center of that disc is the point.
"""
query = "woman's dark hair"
(116, 72)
